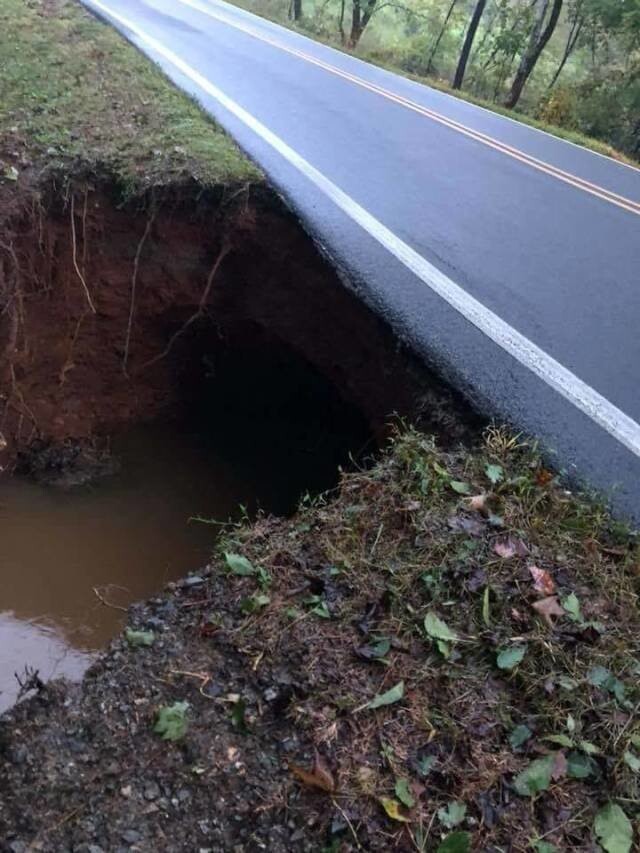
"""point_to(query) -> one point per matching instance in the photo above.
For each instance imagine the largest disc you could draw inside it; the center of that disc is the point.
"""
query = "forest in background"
(572, 64)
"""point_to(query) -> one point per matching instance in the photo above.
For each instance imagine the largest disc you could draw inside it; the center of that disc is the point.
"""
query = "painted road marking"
(627, 204)
(600, 410)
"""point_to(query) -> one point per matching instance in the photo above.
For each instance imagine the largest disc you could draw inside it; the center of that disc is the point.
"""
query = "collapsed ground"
(441, 655)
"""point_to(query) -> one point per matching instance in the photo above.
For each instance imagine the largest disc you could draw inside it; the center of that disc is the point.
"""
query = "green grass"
(72, 91)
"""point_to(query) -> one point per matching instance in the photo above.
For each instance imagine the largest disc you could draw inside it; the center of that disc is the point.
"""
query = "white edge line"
(350, 57)
(582, 396)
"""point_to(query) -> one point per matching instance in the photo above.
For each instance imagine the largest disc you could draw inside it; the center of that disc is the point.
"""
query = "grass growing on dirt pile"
(72, 90)
(494, 612)
(443, 656)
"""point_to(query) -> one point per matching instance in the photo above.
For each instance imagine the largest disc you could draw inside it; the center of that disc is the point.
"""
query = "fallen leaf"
(632, 761)
(171, 721)
(404, 794)
(559, 768)
(452, 815)
(508, 548)
(319, 777)
(139, 638)
(460, 487)
(392, 808)
(519, 735)
(239, 565)
(437, 629)
(486, 607)
(613, 829)
(535, 778)
(479, 504)
(455, 842)
(395, 694)
(579, 766)
(572, 606)
(511, 657)
(374, 651)
(548, 607)
(495, 473)
(542, 580)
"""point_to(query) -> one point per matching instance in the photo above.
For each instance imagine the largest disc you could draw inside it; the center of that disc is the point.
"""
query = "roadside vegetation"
(75, 96)
(571, 67)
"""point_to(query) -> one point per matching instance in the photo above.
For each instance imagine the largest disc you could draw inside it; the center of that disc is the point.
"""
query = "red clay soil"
(84, 358)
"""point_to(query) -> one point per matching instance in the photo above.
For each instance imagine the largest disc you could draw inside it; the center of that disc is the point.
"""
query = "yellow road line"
(573, 180)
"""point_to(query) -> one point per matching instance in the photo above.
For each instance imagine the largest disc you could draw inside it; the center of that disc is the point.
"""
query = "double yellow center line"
(627, 204)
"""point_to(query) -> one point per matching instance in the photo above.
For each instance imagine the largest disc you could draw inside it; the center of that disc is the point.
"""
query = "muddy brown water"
(128, 534)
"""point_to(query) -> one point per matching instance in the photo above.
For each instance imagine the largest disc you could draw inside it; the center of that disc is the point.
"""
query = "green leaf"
(392, 808)
(579, 766)
(239, 565)
(426, 764)
(403, 793)
(511, 657)
(253, 603)
(395, 694)
(460, 488)
(598, 676)
(572, 605)
(535, 778)
(171, 721)
(561, 740)
(632, 761)
(544, 847)
(437, 629)
(444, 648)
(519, 735)
(495, 473)
(614, 829)
(452, 815)
(589, 748)
(455, 842)
(486, 607)
(139, 638)
(321, 610)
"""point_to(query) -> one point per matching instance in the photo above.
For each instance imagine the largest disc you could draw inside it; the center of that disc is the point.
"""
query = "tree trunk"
(537, 43)
(468, 43)
(443, 29)
(297, 10)
(343, 38)
(359, 20)
(572, 41)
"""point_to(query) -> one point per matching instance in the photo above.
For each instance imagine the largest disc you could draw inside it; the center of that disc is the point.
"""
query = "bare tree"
(540, 35)
(468, 43)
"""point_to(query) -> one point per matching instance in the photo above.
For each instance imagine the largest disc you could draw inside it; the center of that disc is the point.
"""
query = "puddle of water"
(129, 534)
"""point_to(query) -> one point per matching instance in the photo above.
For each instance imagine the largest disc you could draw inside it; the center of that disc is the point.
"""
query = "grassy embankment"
(75, 97)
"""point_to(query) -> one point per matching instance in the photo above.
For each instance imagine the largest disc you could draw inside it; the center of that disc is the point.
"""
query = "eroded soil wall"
(111, 310)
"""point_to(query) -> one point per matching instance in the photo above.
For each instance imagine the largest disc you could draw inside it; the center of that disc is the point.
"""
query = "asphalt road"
(508, 259)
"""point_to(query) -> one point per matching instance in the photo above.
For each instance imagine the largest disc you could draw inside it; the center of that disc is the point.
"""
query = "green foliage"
(613, 829)
(139, 638)
(535, 778)
(171, 721)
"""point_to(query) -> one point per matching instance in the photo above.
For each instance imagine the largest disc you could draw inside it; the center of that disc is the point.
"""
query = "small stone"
(131, 836)
(191, 580)
(270, 694)
(151, 791)
(126, 791)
